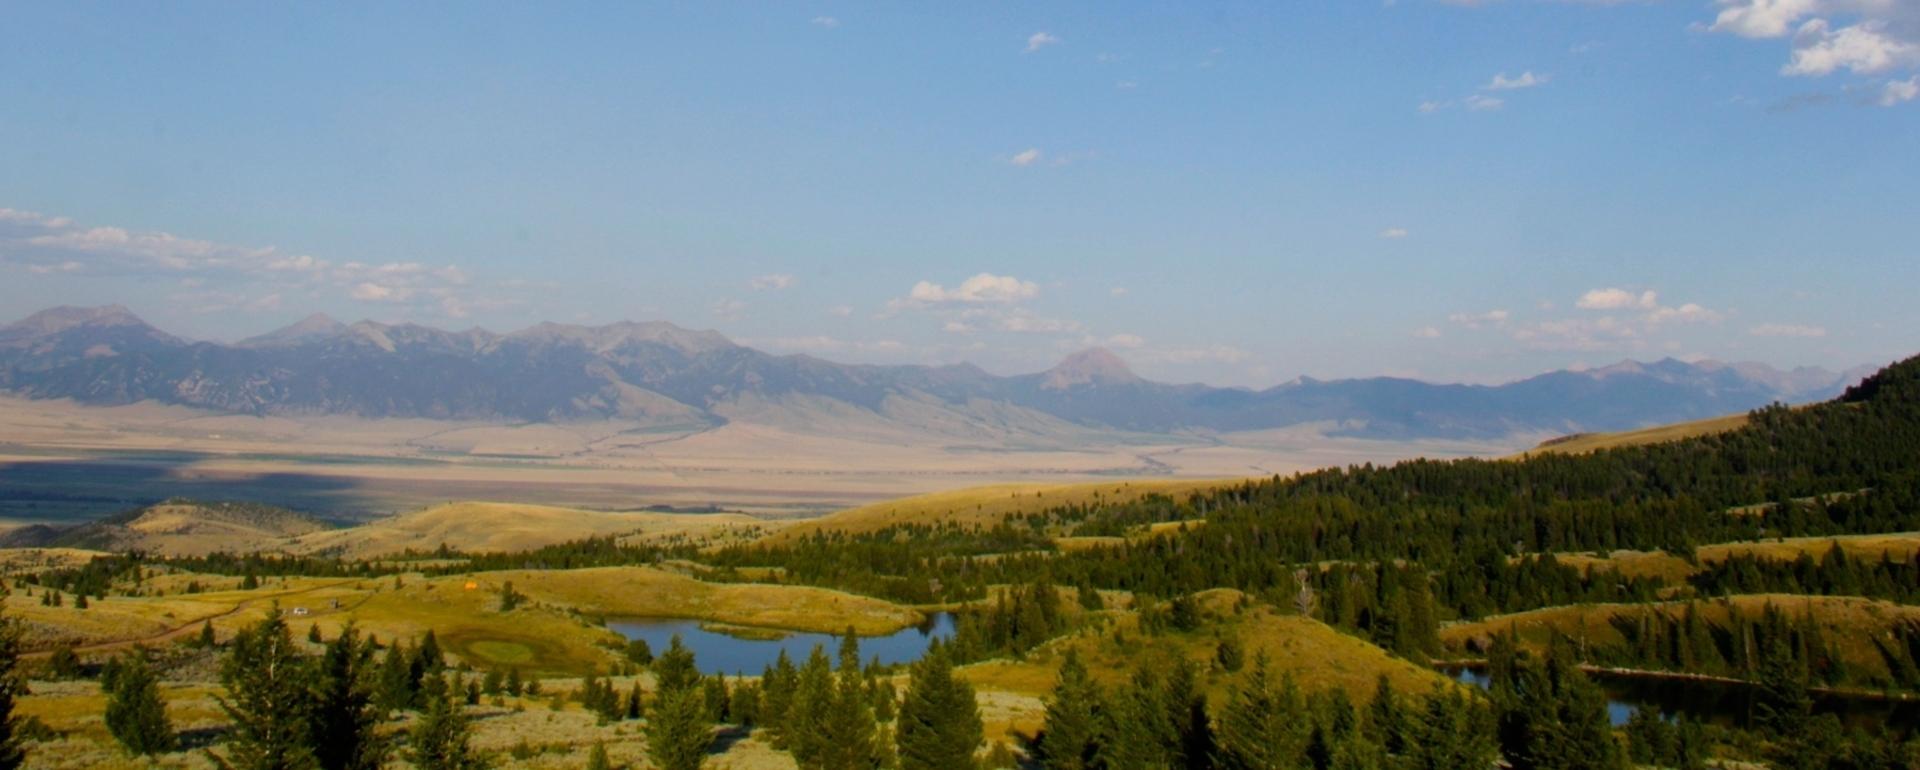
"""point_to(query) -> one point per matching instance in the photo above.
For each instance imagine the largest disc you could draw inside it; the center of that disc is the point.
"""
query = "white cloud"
(1687, 313)
(1026, 157)
(982, 288)
(957, 327)
(1863, 49)
(1394, 233)
(1427, 333)
(727, 308)
(1787, 330)
(840, 311)
(1761, 18)
(771, 282)
(1479, 320)
(1483, 103)
(1429, 107)
(826, 21)
(1897, 91)
(236, 273)
(1123, 341)
(1862, 37)
(68, 266)
(1617, 299)
(1118, 291)
(1039, 40)
(1526, 79)
(372, 292)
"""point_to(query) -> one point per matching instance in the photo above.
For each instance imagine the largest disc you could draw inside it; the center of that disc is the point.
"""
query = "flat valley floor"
(60, 461)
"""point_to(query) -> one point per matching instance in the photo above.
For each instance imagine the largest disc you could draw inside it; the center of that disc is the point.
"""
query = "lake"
(1722, 702)
(716, 652)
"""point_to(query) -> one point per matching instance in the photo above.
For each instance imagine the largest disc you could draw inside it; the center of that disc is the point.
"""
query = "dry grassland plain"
(55, 450)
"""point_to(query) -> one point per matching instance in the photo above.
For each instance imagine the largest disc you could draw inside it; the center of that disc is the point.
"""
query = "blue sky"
(1235, 193)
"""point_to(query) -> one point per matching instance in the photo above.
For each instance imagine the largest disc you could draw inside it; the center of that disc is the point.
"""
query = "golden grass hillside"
(194, 529)
(494, 527)
(1589, 442)
(987, 505)
(556, 628)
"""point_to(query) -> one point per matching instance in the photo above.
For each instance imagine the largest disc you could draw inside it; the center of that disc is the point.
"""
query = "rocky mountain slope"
(664, 374)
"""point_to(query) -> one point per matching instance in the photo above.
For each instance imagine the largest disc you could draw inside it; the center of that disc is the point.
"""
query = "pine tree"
(267, 679)
(345, 717)
(1264, 727)
(850, 741)
(440, 740)
(677, 732)
(12, 685)
(939, 722)
(207, 641)
(635, 707)
(1069, 740)
(675, 669)
(777, 685)
(805, 727)
(597, 759)
(136, 716)
(713, 698)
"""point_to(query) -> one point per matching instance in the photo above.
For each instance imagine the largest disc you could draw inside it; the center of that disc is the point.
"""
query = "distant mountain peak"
(313, 327)
(611, 336)
(60, 322)
(64, 317)
(1093, 366)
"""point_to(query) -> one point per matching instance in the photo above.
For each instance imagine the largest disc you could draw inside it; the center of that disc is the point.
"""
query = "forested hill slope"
(1848, 466)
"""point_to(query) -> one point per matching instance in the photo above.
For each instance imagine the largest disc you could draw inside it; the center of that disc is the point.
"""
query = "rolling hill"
(177, 528)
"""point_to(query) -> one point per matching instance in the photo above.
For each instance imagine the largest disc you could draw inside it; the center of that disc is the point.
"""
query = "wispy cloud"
(1787, 330)
(827, 22)
(1394, 233)
(50, 245)
(1026, 157)
(771, 282)
(1526, 79)
(1039, 40)
(981, 288)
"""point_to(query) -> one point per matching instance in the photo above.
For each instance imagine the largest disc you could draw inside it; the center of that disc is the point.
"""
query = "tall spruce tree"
(268, 679)
(1070, 738)
(851, 741)
(777, 685)
(346, 717)
(678, 733)
(1264, 727)
(135, 715)
(806, 723)
(938, 726)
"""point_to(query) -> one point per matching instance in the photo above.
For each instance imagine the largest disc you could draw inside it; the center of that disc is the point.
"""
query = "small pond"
(1723, 702)
(717, 652)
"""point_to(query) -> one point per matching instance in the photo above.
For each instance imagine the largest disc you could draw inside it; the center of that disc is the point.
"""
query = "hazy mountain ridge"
(661, 372)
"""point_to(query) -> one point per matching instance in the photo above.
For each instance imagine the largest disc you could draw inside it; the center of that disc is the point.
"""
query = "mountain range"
(657, 372)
